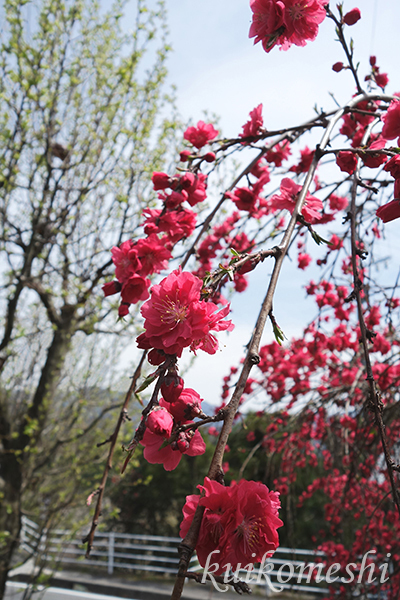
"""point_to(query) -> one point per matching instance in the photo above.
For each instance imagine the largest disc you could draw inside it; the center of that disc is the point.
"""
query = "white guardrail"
(288, 569)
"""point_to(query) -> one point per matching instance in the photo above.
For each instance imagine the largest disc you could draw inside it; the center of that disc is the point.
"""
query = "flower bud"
(172, 386)
(187, 180)
(352, 16)
(183, 442)
(209, 157)
(187, 406)
(337, 67)
(112, 287)
(184, 155)
(161, 181)
(160, 421)
(123, 309)
(156, 357)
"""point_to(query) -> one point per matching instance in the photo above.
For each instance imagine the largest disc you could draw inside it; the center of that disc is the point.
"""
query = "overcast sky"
(216, 67)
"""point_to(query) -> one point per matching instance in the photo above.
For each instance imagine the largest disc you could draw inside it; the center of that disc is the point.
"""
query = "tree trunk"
(15, 452)
(10, 511)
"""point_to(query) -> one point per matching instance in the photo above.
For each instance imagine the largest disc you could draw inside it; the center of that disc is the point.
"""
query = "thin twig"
(374, 399)
(113, 441)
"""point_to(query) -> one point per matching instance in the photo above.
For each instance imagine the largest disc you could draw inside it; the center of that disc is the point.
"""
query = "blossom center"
(173, 312)
(248, 531)
(296, 12)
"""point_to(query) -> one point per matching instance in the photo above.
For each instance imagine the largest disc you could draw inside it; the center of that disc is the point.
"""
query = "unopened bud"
(172, 386)
(156, 357)
(184, 155)
(160, 421)
(337, 67)
(209, 157)
(112, 287)
(352, 16)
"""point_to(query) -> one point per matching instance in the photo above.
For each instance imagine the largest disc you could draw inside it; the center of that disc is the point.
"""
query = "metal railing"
(288, 569)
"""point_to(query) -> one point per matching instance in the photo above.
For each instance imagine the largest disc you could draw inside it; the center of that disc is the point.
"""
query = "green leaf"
(148, 381)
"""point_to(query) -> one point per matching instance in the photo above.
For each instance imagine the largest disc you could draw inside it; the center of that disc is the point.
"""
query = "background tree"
(81, 130)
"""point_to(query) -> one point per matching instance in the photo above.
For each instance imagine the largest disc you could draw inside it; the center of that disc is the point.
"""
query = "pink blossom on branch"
(289, 191)
(268, 22)
(200, 135)
(302, 18)
(285, 22)
(244, 198)
(239, 521)
(393, 166)
(177, 224)
(278, 153)
(194, 186)
(306, 159)
(346, 161)
(187, 406)
(254, 125)
(303, 260)
(337, 202)
(176, 318)
(190, 443)
(134, 289)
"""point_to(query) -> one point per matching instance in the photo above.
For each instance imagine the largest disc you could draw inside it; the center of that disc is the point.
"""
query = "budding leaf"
(318, 239)
(148, 381)
(278, 333)
(138, 398)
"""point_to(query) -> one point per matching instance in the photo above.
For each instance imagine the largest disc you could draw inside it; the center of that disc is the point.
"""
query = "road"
(15, 591)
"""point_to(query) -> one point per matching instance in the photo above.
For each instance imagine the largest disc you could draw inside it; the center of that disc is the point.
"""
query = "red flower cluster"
(239, 521)
(164, 420)
(176, 318)
(176, 224)
(346, 161)
(134, 261)
(188, 187)
(285, 22)
(381, 79)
